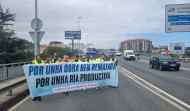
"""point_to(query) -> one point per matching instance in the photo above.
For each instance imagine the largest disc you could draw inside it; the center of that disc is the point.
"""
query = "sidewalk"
(11, 81)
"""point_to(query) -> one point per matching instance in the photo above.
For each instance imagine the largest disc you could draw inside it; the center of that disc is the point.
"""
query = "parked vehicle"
(129, 54)
(91, 53)
(118, 53)
(164, 62)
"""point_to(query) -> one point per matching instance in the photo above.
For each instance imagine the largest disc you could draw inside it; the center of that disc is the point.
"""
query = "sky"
(105, 23)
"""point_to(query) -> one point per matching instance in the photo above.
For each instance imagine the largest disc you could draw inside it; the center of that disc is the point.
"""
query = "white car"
(118, 53)
(129, 54)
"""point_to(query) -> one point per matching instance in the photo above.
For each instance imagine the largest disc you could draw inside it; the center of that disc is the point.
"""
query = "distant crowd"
(76, 58)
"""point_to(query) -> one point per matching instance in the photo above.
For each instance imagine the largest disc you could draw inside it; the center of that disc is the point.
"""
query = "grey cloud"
(102, 20)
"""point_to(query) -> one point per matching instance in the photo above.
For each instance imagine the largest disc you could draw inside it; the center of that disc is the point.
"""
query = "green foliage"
(16, 57)
(59, 50)
(187, 54)
(12, 49)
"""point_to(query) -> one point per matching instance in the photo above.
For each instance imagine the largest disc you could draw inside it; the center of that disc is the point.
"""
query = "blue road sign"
(177, 48)
(72, 34)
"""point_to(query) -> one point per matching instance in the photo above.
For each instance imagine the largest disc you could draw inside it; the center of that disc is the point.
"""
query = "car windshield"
(165, 57)
(93, 55)
(130, 53)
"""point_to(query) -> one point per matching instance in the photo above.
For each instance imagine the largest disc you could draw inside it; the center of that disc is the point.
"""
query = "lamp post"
(113, 44)
(79, 39)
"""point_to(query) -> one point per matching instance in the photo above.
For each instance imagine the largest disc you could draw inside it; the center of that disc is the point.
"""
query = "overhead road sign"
(73, 35)
(177, 18)
(177, 48)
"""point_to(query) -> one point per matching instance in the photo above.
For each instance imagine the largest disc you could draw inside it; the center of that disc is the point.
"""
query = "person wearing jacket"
(38, 61)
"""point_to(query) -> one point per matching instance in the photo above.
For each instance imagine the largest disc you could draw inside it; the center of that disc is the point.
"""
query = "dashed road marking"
(183, 78)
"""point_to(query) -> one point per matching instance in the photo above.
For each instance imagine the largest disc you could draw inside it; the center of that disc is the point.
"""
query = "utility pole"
(37, 35)
(79, 39)
(87, 41)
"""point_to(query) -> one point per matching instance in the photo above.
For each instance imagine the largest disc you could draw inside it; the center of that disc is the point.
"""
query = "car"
(164, 61)
(129, 55)
(111, 53)
(118, 53)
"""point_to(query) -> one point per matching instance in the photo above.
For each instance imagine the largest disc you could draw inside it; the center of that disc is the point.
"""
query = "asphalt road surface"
(176, 83)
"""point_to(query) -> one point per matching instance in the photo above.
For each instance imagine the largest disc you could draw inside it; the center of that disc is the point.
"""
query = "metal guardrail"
(11, 70)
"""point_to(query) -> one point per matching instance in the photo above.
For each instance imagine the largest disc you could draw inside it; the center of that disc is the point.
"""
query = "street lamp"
(79, 39)
(113, 44)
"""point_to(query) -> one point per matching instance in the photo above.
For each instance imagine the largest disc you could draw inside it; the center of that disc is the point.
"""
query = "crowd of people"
(56, 59)
(76, 58)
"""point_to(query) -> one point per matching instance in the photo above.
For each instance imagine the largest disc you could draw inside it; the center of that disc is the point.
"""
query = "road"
(128, 96)
(176, 83)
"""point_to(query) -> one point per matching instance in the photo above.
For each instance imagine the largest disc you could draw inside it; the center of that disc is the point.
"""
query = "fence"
(11, 70)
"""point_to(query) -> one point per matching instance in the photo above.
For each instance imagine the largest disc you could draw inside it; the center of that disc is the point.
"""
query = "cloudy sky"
(104, 22)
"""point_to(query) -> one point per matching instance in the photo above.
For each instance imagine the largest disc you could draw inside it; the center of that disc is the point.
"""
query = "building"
(138, 45)
(53, 43)
(83, 47)
(43, 47)
(162, 48)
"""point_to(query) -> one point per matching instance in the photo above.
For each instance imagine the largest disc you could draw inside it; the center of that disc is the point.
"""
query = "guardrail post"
(9, 93)
(5, 73)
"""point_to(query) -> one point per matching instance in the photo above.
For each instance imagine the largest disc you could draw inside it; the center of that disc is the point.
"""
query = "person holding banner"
(48, 61)
(91, 59)
(76, 59)
(38, 60)
(59, 59)
(55, 60)
(84, 59)
(113, 59)
(73, 59)
(100, 59)
(65, 59)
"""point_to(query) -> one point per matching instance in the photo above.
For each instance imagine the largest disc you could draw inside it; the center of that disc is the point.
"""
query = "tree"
(59, 50)
(12, 48)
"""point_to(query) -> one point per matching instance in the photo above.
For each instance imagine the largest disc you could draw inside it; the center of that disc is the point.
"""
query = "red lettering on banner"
(74, 87)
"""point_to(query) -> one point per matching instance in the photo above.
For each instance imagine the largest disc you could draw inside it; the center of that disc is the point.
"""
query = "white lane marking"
(144, 61)
(183, 78)
(158, 91)
(182, 68)
(17, 105)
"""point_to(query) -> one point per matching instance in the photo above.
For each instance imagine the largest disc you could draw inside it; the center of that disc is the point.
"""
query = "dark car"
(164, 62)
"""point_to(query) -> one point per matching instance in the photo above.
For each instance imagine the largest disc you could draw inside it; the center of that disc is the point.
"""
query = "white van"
(129, 54)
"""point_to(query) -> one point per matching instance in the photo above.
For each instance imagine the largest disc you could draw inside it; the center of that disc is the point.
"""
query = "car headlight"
(178, 62)
(165, 62)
